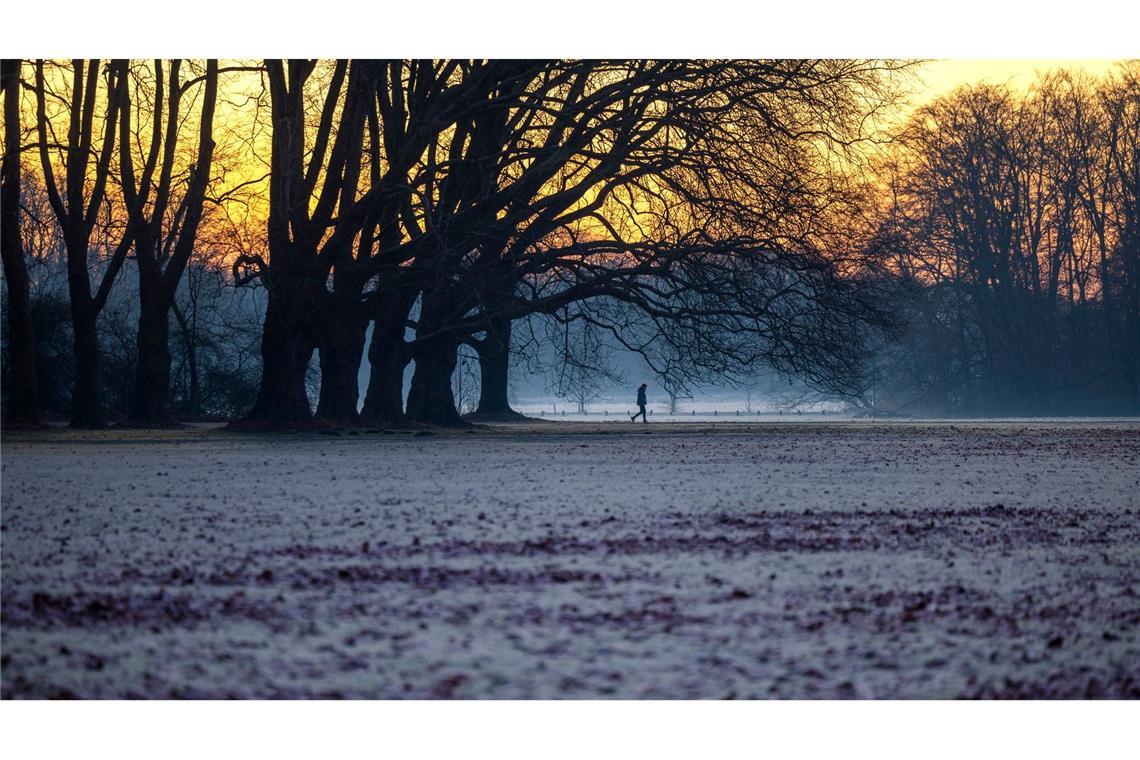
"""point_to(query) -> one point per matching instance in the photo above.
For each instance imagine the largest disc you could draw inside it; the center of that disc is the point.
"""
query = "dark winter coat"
(641, 397)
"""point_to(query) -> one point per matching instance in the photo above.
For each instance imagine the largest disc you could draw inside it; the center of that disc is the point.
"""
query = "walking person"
(640, 405)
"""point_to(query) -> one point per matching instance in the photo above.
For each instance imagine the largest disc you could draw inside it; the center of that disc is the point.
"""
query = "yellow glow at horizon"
(940, 77)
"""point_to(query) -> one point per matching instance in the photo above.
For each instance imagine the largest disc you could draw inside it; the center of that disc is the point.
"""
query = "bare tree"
(1008, 229)
(23, 398)
(77, 203)
(164, 232)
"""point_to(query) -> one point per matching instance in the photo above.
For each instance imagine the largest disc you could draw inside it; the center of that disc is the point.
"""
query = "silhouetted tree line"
(1010, 225)
(707, 215)
(117, 197)
(678, 206)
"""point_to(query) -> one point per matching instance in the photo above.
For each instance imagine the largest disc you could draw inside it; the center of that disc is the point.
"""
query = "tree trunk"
(86, 408)
(430, 399)
(387, 357)
(152, 367)
(23, 402)
(285, 354)
(341, 344)
(494, 373)
(150, 403)
(340, 353)
(286, 347)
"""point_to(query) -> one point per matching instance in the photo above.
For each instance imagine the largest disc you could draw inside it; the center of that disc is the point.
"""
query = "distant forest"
(200, 239)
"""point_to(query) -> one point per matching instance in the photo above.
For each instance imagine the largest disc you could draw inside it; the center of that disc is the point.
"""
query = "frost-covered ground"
(855, 559)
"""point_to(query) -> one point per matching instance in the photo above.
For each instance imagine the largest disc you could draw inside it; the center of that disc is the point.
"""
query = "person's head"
(643, 386)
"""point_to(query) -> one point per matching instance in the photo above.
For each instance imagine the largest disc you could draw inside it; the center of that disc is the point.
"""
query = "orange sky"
(934, 79)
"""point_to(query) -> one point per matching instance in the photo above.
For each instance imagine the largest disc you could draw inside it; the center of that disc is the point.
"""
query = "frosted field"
(579, 560)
